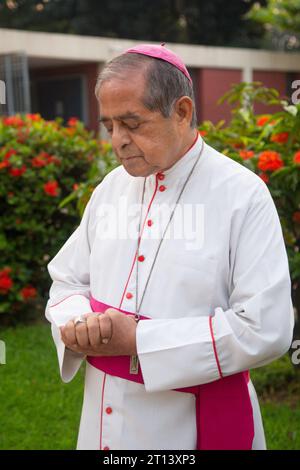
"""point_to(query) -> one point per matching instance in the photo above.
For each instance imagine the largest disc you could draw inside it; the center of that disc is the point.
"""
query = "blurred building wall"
(63, 69)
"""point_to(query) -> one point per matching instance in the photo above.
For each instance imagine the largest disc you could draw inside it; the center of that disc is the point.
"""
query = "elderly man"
(176, 282)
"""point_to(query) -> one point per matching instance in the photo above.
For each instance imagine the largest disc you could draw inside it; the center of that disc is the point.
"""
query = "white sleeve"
(69, 292)
(256, 329)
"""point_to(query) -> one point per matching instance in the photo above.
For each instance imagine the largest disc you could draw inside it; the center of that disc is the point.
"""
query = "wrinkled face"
(144, 141)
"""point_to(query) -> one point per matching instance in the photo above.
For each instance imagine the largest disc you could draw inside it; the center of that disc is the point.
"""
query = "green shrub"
(269, 145)
(276, 377)
(41, 163)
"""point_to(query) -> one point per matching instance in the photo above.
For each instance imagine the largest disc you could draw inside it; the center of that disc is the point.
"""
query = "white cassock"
(232, 265)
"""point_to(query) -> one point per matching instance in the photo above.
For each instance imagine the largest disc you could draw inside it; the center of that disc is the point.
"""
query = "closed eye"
(109, 130)
(131, 127)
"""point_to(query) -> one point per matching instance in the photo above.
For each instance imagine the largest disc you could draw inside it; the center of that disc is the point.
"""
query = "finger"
(64, 331)
(89, 314)
(73, 347)
(62, 335)
(105, 328)
(69, 333)
(94, 333)
(82, 336)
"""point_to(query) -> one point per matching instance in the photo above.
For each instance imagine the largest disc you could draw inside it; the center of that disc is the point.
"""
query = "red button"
(160, 176)
(149, 223)
(129, 295)
(141, 258)
(109, 410)
(106, 448)
(162, 188)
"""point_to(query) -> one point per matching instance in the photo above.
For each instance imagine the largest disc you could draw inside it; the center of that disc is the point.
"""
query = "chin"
(137, 173)
(137, 170)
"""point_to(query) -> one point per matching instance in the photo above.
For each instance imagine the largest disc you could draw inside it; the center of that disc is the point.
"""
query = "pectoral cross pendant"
(134, 365)
(134, 360)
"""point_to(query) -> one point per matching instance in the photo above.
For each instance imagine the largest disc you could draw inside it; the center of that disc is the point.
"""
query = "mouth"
(131, 158)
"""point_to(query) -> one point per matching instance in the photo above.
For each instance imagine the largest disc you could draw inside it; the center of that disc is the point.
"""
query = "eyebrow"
(121, 117)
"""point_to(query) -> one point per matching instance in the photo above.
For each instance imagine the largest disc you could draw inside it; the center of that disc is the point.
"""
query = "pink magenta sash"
(224, 414)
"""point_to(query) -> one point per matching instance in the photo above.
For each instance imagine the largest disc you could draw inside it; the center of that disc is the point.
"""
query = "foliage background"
(41, 163)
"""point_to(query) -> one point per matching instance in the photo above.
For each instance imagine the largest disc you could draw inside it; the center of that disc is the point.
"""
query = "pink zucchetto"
(162, 53)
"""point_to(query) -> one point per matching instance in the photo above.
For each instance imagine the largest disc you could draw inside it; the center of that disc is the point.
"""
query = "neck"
(187, 143)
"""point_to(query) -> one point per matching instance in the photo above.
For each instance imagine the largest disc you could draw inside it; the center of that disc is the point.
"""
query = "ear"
(184, 110)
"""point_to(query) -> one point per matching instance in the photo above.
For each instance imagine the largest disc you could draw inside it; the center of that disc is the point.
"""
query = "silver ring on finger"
(79, 319)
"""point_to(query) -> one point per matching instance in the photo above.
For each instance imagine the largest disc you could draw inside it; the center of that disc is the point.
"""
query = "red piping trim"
(140, 235)
(195, 140)
(101, 421)
(72, 295)
(139, 240)
(214, 346)
(129, 276)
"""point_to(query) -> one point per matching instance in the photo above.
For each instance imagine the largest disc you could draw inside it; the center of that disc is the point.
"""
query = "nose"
(120, 137)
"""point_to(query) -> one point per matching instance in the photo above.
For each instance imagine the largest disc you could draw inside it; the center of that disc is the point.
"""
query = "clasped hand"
(111, 333)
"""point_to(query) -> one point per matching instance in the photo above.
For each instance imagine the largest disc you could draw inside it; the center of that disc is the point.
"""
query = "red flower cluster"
(28, 292)
(9, 154)
(262, 120)
(33, 117)
(17, 171)
(296, 217)
(13, 171)
(264, 177)
(22, 135)
(246, 154)
(6, 282)
(269, 161)
(44, 159)
(297, 157)
(280, 138)
(72, 121)
(238, 145)
(51, 188)
(6, 163)
(14, 121)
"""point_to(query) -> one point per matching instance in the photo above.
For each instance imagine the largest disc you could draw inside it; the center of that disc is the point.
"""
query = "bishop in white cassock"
(201, 263)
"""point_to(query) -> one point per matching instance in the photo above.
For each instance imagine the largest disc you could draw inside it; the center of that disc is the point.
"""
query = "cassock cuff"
(176, 353)
(62, 311)
(59, 314)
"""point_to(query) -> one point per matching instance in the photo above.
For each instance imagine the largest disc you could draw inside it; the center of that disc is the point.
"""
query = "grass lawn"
(38, 411)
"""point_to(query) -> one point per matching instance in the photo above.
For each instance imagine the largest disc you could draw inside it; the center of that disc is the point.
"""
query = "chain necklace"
(134, 365)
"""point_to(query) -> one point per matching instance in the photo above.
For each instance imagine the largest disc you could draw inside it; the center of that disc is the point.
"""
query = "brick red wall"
(209, 84)
(212, 84)
(270, 79)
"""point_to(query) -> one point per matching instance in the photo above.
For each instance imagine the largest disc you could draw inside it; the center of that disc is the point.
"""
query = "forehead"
(122, 96)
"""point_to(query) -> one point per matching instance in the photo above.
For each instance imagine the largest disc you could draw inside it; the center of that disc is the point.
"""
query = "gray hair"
(165, 84)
